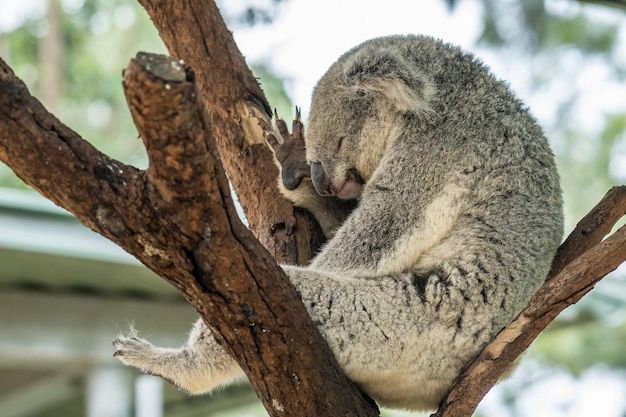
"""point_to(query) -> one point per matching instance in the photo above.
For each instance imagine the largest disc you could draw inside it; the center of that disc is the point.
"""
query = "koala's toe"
(132, 350)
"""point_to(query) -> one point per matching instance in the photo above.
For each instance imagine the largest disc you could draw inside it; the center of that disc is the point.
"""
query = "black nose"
(320, 179)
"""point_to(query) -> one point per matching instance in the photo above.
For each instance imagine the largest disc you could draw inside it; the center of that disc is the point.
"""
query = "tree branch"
(591, 229)
(179, 220)
(194, 31)
(581, 261)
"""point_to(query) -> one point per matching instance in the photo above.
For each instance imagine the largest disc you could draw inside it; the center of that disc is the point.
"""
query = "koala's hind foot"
(198, 367)
(141, 354)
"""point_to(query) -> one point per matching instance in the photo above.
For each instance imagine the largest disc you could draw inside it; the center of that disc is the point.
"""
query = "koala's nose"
(321, 181)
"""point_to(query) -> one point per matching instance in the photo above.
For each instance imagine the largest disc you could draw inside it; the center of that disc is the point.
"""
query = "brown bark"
(194, 31)
(178, 219)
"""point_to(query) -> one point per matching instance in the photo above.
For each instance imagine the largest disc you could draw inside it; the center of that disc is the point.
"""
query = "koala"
(440, 197)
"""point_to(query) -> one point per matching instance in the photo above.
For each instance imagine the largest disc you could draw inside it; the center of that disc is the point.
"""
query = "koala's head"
(356, 114)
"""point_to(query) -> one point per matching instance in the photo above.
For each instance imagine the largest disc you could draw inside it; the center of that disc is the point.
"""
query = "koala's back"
(462, 211)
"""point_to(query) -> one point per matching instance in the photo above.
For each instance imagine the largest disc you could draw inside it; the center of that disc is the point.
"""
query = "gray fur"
(458, 218)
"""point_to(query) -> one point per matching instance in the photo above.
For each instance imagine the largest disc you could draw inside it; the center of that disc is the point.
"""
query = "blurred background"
(65, 293)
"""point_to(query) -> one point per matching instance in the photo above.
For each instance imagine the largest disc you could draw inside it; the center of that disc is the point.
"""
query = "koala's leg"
(392, 338)
(198, 367)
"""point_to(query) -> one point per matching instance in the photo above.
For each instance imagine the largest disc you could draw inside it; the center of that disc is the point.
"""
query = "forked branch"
(178, 219)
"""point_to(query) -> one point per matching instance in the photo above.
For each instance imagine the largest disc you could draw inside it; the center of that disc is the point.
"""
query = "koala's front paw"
(134, 351)
(291, 154)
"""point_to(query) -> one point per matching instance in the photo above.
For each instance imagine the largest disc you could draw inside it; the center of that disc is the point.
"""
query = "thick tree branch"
(581, 262)
(178, 219)
(249, 296)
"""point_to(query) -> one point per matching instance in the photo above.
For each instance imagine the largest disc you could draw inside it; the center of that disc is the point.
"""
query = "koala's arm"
(295, 178)
(330, 212)
(198, 367)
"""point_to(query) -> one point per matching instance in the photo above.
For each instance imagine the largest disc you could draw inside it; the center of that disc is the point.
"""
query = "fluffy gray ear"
(399, 94)
(391, 77)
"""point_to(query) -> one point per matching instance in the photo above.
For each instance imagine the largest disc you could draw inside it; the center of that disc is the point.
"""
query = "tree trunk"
(194, 31)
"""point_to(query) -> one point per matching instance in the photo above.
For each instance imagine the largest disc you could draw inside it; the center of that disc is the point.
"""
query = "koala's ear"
(389, 76)
(399, 94)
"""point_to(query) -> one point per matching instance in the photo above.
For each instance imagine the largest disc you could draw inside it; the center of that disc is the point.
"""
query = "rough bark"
(177, 217)
(194, 31)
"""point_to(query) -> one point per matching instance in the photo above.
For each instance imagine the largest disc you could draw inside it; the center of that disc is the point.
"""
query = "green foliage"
(531, 26)
(583, 344)
(274, 89)
(255, 13)
(581, 32)
(586, 166)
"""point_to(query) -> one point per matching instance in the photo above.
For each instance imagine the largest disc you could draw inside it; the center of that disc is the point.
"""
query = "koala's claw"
(132, 350)
(118, 344)
(298, 114)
